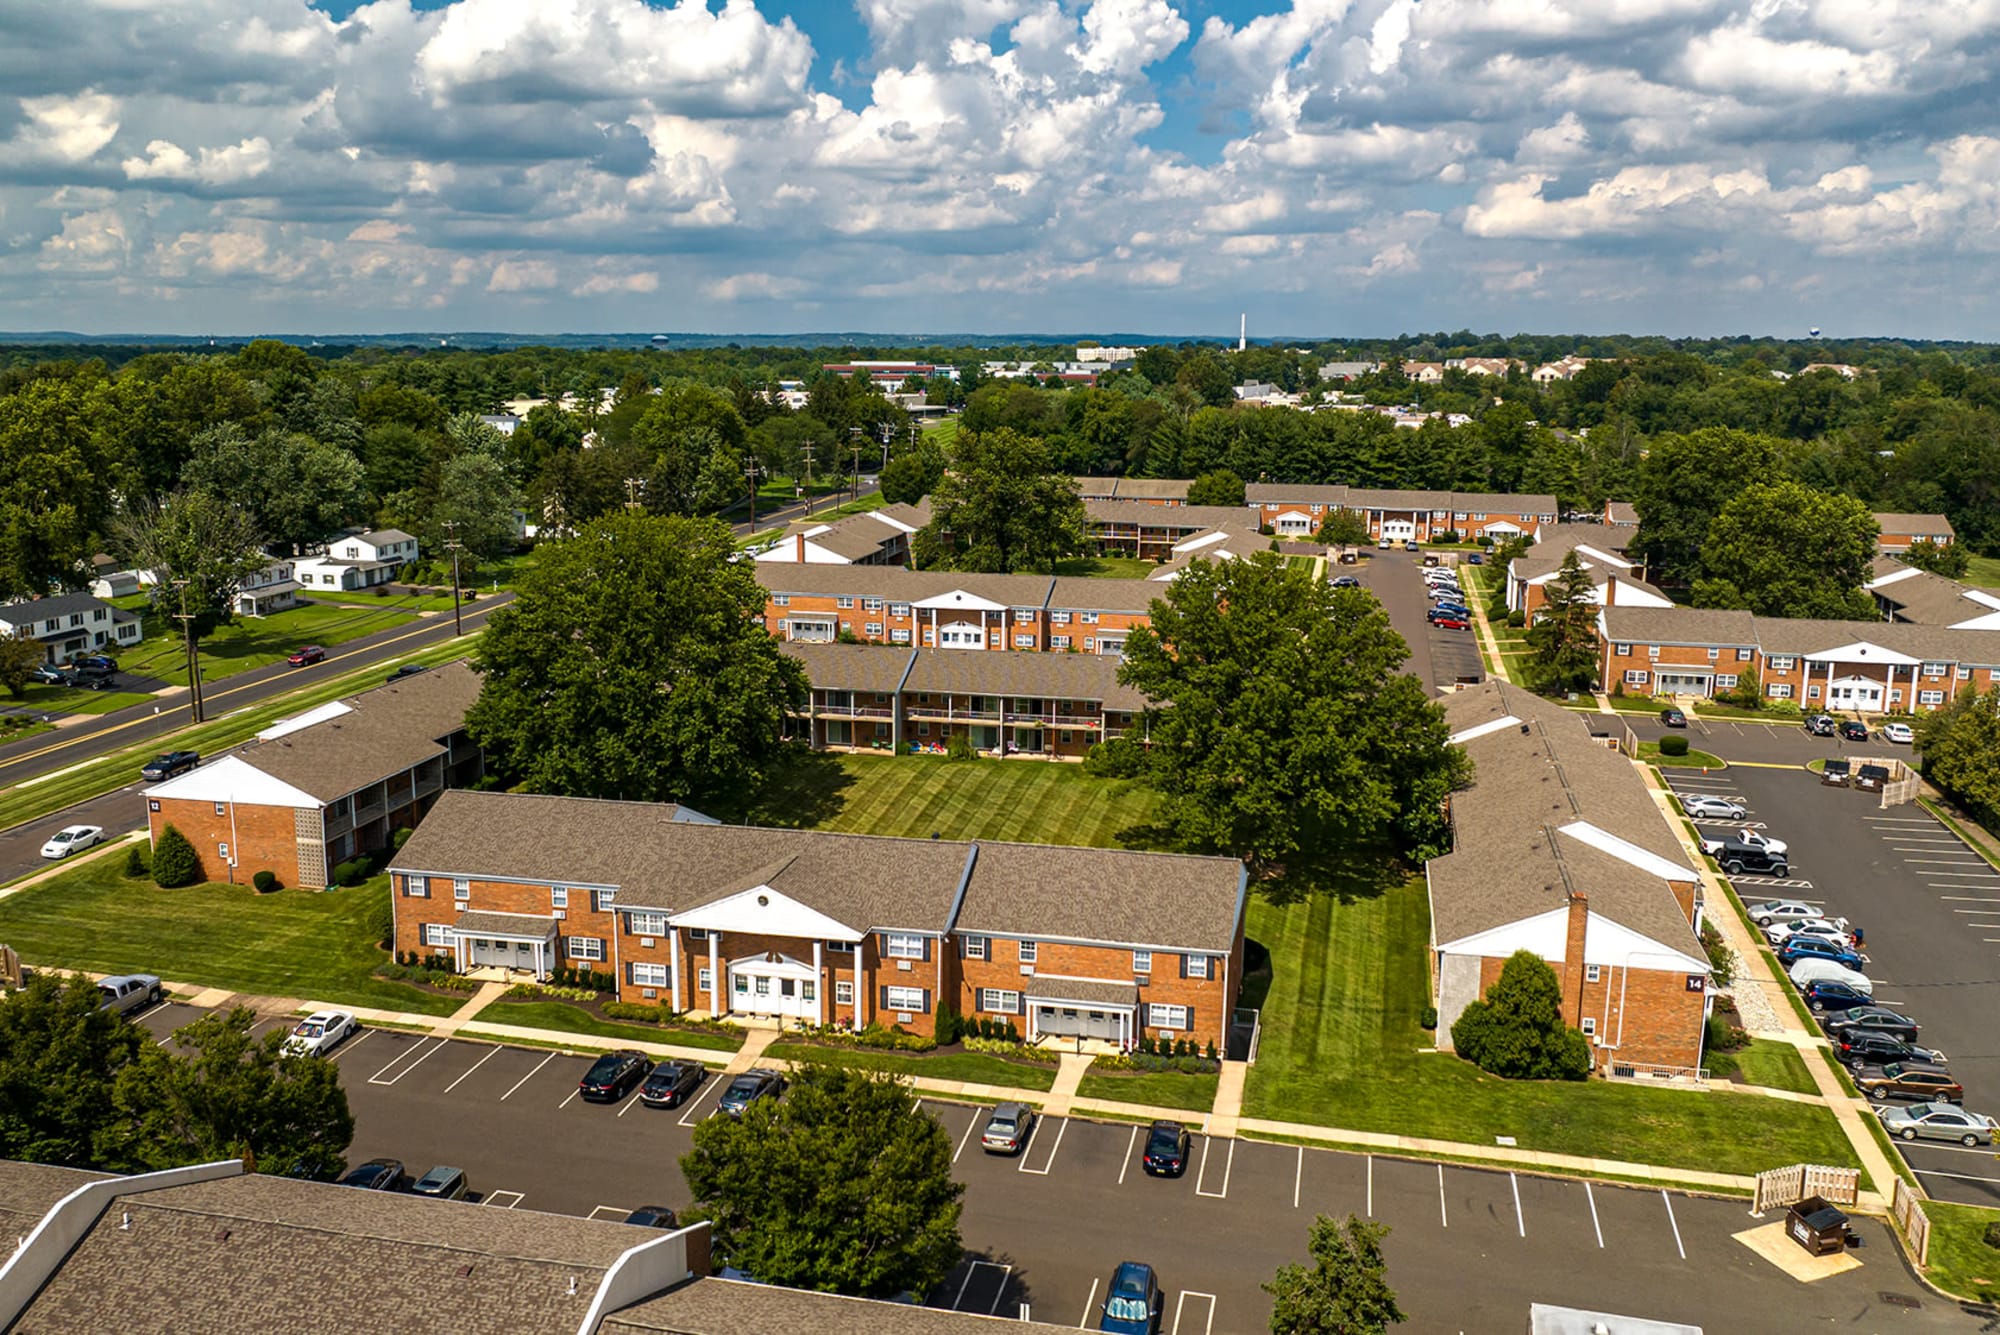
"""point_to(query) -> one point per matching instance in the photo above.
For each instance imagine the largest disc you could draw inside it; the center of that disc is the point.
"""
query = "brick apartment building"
(1858, 667)
(853, 930)
(313, 791)
(1157, 491)
(1900, 532)
(1614, 578)
(887, 697)
(1151, 530)
(1297, 510)
(1559, 849)
(953, 610)
(873, 538)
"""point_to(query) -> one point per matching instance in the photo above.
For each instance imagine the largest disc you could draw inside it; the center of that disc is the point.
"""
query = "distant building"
(1347, 370)
(358, 560)
(1106, 354)
(69, 624)
(890, 375)
(272, 589)
(1900, 532)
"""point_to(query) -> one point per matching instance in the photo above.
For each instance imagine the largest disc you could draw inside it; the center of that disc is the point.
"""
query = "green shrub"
(1516, 1030)
(1517, 619)
(1673, 746)
(960, 747)
(266, 882)
(175, 863)
(1428, 1017)
(1485, 541)
(998, 1047)
(1119, 758)
(1992, 1237)
(347, 873)
(135, 862)
(1010, 1033)
(949, 1024)
(401, 837)
(1724, 1036)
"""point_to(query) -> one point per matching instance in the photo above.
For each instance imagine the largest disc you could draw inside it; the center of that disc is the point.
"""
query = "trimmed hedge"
(266, 882)
(1673, 746)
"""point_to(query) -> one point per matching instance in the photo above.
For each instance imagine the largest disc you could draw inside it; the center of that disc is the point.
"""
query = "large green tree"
(1684, 483)
(1960, 745)
(221, 1093)
(1950, 559)
(60, 1056)
(196, 536)
(1782, 549)
(19, 657)
(634, 663)
(1219, 487)
(56, 486)
(844, 1186)
(1564, 636)
(297, 490)
(1516, 1030)
(1002, 508)
(1345, 1291)
(1283, 729)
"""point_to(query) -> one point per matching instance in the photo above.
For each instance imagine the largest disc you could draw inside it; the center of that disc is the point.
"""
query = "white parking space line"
(1089, 1306)
(1298, 1175)
(1444, 1218)
(351, 1044)
(958, 1303)
(1125, 1164)
(709, 1086)
(1983, 1151)
(1207, 1325)
(475, 1066)
(1201, 1176)
(526, 1078)
(962, 1140)
(617, 1213)
(1963, 875)
(377, 1079)
(493, 1198)
(1676, 1224)
(1969, 899)
(1520, 1221)
(1595, 1227)
(1958, 1177)
(632, 1101)
(1947, 862)
(572, 1096)
(1043, 1171)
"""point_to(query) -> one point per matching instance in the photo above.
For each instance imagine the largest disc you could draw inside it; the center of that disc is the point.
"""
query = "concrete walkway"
(1225, 1115)
(487, 994)
(1484, 629)
(1070, 1070)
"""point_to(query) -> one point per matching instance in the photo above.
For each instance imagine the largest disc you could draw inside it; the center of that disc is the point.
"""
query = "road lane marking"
(1089, 1306)
(1444, 1219)
(526, 1078)
(1676, 1224)
(475, 1066)
(1519, 1221)
(1298, 1175)
(1043, 1171)
(1202, 1175)
(964, 1138)
(1186, 1294)
(1125, 1165)
(1595, 1227)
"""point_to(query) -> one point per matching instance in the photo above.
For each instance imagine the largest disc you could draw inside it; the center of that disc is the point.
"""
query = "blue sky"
(1329, 166)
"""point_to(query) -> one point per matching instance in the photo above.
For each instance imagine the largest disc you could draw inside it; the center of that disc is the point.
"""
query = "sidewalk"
(1070, 1070)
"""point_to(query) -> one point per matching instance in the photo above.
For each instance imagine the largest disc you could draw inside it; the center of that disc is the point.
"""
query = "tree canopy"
(1517, 1030)
(1002, 508)
(1782, 549)
(1564, 635)
(1283, 729)
(634, 663)
(1684, 483)
(1345, 1291)
(1960, 745)
(843, 1186)
(197, 536)
(1217, 487)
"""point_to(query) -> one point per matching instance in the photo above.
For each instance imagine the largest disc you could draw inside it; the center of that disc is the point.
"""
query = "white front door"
(764, 987)
(1861, 694)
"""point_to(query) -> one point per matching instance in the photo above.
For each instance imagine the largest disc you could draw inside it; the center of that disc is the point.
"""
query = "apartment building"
(69, 624)
(1297, 510)
(872, 538)
(1144, 490)
(1900, 532)
(1614, 578)
(1150, 529)
(1905, 593)
(952, 610)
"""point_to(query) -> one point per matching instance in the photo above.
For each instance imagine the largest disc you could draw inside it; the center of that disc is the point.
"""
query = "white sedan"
(1899, 732)
(1827, 929)
(72, 840)
(319, 1033)
(1707, 806)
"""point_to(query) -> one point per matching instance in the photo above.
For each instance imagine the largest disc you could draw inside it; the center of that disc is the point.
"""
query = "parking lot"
(1929, 909)
(1043, 1230)
(1437, 657)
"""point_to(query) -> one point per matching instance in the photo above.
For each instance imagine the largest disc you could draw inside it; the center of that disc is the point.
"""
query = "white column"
(819, 982)
(674, 965)
(860, 986)
(715, 978)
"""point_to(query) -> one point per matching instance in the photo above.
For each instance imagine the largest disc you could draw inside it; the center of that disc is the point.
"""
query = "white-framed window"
(1142, 961)
(1027, 952)
(1589, 1025)
(1652, 651)
(1743, 655)
(923, 729)
(1024, 616)
(899, 609)
(1089, 644)
(436, 934)
(1779, 690)
(873, 629)
(1197, 966)
(1714, 654)
(704, 980)
(999, 1001)
(1058, 641)
(899, 635)
(461, 889)
(1935, 669)
(1930, 697)
(221, 809)
(648, 975)
(417, 887)
(975, 947)
(843, 993)
(781, 600)
(646, 924)
(600, 900)
(1059, 618)
(1725, 681)
(584, 948)
(844, 604)
(1088, 618)
(1024, 641)
(1964, 673)
(1783, 663)
(1637, 677)
(1812, 692)
(900, 946)
(558, 896)
(1592, 972)
(909, 999)
(1166, 1017)
(1624, 651)
(871, 604)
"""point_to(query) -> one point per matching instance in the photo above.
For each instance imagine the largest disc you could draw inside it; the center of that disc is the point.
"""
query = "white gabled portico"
(949, 618)
(768, 982)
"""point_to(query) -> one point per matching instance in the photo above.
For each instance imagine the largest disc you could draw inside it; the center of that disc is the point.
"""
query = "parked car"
(1475, 559)
(1451, 622)
(128, 992)
(1707, 806)
(1346, 582)
(1673, 717)
(1804, 947)
(1166, 1153)
(1822, 725)
(1780, 910)
(103, 681)
(1834, 999)
(1900, 733)
(443, 1183)
(1875, 1020)
(671, 1083)
(377, 1175)
(50, 675)
(169, 763)
(747, 1088)
(1836, 772)
(320, 1032)
(407, 670)
(1864, 1047)
(1411, 545)
(653, 1216)
(1437, 616)
(94, 667)
(1939, 1121)
(72, 839)
(1853, 730)
(1870, 778)
(1132, 1302)
(1749, 838)
(310, 653)
(1827, 928)
(1803, 971)
(1737, 859)
(613, 1075)
(1912, 1080)
(1007, 1129)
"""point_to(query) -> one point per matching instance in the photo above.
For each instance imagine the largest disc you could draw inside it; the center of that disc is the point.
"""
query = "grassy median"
(974, 1068)
(563, 1017)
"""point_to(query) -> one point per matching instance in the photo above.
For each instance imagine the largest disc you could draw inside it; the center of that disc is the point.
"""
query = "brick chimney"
(801, 538)
(1572, 970)
(1610, 588)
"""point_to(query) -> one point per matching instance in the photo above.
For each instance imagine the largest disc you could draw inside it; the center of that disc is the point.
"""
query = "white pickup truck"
(1748, 838)
(125, 993)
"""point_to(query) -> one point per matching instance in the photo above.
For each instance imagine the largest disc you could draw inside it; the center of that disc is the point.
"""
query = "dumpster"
(1871, 777)
(1817, 1226)
(1837, 772)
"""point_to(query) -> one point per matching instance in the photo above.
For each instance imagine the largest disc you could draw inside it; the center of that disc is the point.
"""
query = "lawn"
(1984, 572)
(70, 700)
(254, 642)
(1960, 1261)
(1107, 567)
(917, 796)
(976, 1068)
(568, 1019)
(292, 943)
(1766, 1062)
(1155, 1089)
(1340, 1047)
(1650, 753)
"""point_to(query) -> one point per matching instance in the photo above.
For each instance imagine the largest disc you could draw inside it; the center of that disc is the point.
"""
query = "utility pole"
(750, 472)
(809, 478)
(633, 486)
(854, 479)
(454, 546)
(186, 618)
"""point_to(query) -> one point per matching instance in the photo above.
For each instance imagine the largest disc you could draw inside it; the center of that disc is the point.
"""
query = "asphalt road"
(1468, 1250)
(1437, 657)
(122, 810)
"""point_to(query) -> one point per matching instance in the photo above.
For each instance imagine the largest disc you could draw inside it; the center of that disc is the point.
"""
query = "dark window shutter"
(927, 948)
(885, 996)
(926, 1007)
(1184, 969)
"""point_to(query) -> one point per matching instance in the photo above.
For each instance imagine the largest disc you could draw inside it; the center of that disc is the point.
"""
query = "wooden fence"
(1908, 1212)
(1783, 1186)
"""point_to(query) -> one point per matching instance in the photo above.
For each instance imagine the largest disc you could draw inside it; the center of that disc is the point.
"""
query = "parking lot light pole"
(454, 546)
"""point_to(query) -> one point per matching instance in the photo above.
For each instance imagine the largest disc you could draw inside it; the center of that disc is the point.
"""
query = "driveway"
(1438, 658)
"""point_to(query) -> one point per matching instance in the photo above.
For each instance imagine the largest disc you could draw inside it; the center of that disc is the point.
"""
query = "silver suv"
(128, 992)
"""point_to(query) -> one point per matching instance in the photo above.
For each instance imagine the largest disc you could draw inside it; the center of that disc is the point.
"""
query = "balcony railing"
(948, 714)
(854, 711)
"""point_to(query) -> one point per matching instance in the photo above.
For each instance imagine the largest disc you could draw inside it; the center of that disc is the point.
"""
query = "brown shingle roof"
(1931, 643)
(390, 729)
(1621, 513)
(900, 586)
(878, 668)
(1680, 625)
(1926, 599)
(1075, 593)
(1154, 488)
(1180, 518)
(1091, 991)
(504, 924)
(1033, 675)
(1169, 900)
(1293, 493)
(1559, 538)
(1892, 524)
(30, 1190)
(731, 1307)
(525, 836)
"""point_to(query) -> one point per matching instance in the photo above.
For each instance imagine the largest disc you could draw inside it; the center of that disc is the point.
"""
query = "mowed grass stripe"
(1029, 801)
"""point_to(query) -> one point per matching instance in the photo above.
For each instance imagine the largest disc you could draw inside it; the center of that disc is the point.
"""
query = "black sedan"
(671, 1083)
(1874, 1020)
(1673, 718)
(1854, 730)
(377, 1175)
(652, 1216)
(1166, 1149)
(1860, 1047)
(612, 1076)
(747, 1088)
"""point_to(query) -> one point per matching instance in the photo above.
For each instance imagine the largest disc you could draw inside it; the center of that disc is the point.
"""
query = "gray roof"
(256, 1254)
(1106, 487)
(1927, 599)
(530, 837)
(1170, 900)
(1293, 493)
(1918, 525)
(1187, 518)
(1932, 643)
(55, 605)
(1559, 538)
(1078, 593)
(1680, 625)
(378, 536)
(1091, 991)
(1490, 501)
(30, 1190)
(1337, 370)
(854, 667)
(1032, 675)
(900, 586)
(1621, 513)
(390, 729)
(1507, 863)
(1155, 488)
(731, 1307)
(916, 515)
(505, 924)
